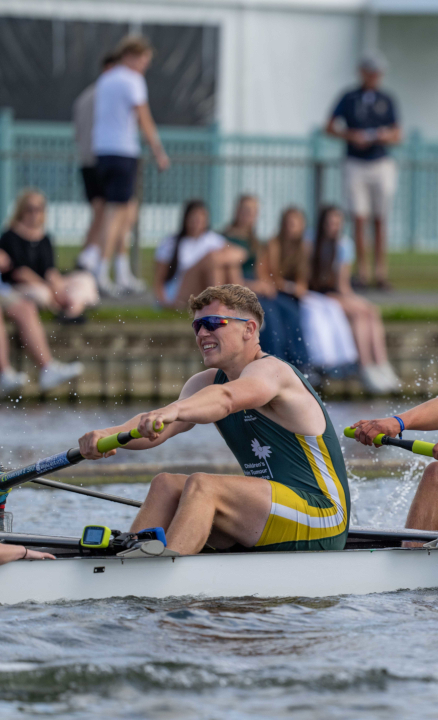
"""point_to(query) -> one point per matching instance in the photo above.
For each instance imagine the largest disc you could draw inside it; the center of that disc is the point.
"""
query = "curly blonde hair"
(234, 297)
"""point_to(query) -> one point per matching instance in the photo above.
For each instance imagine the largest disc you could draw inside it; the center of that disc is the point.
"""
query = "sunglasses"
(213, 322)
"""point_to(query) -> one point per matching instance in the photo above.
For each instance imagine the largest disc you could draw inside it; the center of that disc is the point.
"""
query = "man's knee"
(430, 477)
(199, 483)
(166, 483)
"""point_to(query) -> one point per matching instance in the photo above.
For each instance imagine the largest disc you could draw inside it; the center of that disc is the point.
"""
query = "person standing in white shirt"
(83, 120)
(121, 108)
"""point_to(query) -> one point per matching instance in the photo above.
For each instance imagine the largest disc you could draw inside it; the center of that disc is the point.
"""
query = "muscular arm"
(88, 442)
(258, 385)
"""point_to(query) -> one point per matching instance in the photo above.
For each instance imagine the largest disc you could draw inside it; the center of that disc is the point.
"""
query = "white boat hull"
(302, 574)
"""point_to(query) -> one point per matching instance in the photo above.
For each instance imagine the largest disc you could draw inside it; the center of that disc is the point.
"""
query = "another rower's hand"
(367, 430)
(88, 445)
(151, 422)
(36, 555)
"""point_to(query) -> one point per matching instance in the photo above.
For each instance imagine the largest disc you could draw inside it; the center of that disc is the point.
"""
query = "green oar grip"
(117, 440)
(423, 448)
(349, 432)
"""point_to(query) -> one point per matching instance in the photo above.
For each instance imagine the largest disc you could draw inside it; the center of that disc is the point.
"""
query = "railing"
(206, 164)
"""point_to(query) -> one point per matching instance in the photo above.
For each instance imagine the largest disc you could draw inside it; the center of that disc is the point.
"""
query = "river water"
(352, 658)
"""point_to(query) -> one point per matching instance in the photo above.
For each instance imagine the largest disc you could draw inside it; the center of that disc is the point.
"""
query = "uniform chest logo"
(262, 452)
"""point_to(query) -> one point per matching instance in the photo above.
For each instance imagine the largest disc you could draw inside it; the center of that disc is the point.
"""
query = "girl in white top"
(331, 275)
(194, 259)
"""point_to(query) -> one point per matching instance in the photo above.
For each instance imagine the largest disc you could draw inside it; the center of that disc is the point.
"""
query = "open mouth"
(208, 347)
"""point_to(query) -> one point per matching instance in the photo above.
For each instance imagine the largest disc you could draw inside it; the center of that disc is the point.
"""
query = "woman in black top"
(31, 263)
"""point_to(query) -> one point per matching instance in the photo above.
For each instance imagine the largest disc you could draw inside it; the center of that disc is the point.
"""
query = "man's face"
(371, 80)
(220, 347)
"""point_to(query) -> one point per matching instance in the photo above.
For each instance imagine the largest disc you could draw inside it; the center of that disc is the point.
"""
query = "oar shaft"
(419, 447)
(87, 491)
(62, 460)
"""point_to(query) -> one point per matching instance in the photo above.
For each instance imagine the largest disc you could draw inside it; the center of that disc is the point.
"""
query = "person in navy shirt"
(367, 120)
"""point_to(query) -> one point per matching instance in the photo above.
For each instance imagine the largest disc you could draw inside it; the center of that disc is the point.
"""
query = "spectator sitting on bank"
(83, 119)
(193, 259)
(370, 126)
(121, 106)
(280, 333)
(32, 269)
(331, 274)
(308, 317)
(24, 315)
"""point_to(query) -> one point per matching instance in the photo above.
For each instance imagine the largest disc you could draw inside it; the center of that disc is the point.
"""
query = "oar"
(419, 447)
(30, 473)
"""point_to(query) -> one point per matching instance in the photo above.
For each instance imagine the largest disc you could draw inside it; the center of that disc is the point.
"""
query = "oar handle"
(419, 447)
(112, 442)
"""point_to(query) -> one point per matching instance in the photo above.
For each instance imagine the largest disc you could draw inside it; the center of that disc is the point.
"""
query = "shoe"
(109, 289)
(76, 320)
(394, 382)
(11, 380)
(374, 380)
(384, 285)
(133, 285)
(56, 373)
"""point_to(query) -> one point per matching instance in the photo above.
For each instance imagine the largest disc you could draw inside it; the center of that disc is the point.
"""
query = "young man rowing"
(294, 491)
(423, 513)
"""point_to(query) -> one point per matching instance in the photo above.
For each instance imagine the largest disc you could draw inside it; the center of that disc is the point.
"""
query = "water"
(352, 658)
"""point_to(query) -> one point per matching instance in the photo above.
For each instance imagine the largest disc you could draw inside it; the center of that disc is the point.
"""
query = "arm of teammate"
(10, 553)
(258, 385)
(149, 130)
(422, 417)
(390, 135)
(88, 442)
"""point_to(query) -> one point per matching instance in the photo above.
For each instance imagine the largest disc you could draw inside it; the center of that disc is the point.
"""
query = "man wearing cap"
(366, 119)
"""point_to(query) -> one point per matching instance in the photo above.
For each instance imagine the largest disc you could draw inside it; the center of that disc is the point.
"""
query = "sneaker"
(56, 373)
(394, 382)
(374, 380)
(109, 289)
(11, 380)
(133, 285)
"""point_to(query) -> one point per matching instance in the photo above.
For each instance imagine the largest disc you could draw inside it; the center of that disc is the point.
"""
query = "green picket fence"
(206, 164)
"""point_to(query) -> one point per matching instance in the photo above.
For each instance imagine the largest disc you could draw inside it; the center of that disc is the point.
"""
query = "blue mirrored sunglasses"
(213, 322)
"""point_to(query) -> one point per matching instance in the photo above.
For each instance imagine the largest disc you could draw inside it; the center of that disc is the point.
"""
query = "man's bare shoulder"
(270, 366)
(198, 382)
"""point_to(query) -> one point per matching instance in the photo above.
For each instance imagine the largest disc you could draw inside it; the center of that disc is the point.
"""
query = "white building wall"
(410, 45)
(295, 66)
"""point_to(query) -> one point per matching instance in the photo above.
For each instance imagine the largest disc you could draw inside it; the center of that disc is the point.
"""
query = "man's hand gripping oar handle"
(419, 447)
(112, 442)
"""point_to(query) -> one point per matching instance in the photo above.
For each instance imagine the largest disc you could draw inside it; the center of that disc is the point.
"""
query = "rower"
(423, 513)
(293, 494)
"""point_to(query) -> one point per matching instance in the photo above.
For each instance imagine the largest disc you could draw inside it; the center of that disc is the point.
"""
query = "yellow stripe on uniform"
(292, 518)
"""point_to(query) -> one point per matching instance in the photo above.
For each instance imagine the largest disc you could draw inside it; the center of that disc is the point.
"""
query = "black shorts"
(92, 184)
(117, 176)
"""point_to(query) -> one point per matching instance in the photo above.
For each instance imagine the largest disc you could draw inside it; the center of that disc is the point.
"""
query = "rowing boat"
(366, 566)
(373, 561)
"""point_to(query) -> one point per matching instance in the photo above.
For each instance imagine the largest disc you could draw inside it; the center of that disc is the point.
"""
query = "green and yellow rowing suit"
(310, 496)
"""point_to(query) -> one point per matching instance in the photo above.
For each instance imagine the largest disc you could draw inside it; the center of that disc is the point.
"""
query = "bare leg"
(94, 231)
(232, 507)
(359, 237)
(361, 327)
(114, 220)
(381, 269)
(4, 346)
(161, 503)
(207, 272)
(25, 315)
(423, 513)
(122, 244)
(378, 337)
